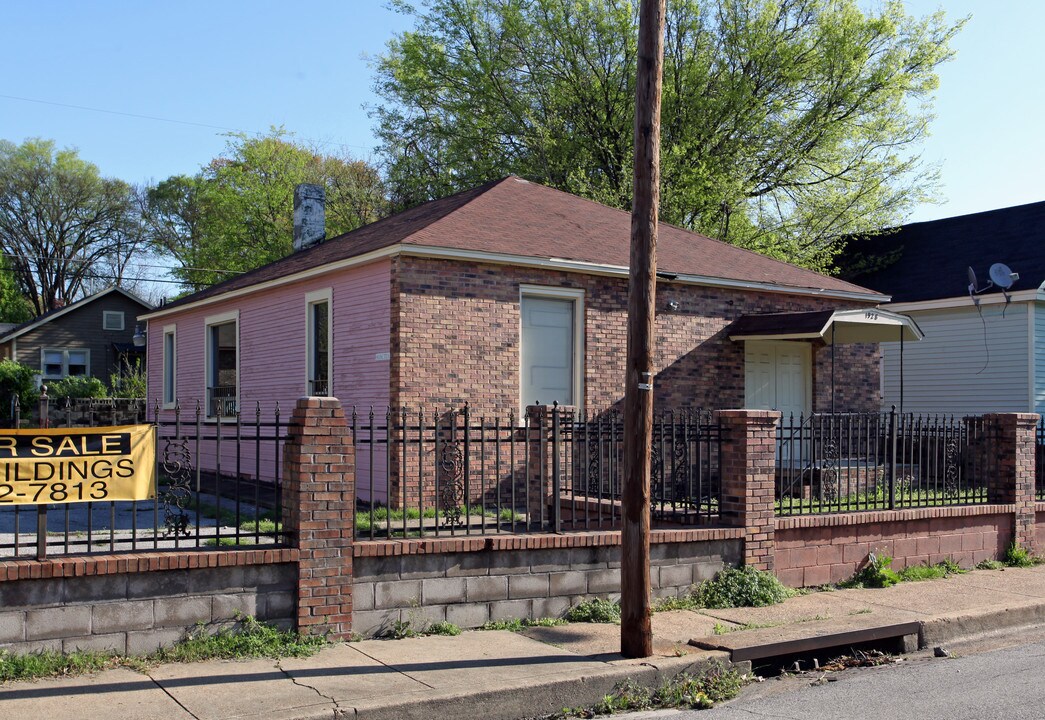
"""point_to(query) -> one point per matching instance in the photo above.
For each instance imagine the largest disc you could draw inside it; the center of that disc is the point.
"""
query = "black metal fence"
(845, 462)
(218, 484)
(458, 473)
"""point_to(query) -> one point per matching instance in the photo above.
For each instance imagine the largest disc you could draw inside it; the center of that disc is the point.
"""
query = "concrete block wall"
(137, 612)
(470, 583)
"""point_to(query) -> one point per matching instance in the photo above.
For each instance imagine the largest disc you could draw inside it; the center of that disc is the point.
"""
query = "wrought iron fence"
(458, 473)
(218, 483)
(845, 462)
(1039, 460)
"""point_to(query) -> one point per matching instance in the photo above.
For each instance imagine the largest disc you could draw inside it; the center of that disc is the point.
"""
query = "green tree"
(14, 307)
(786, 124)
(237, 212)
(61, 222)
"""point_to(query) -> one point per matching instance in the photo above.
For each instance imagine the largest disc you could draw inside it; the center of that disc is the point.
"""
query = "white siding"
(1039, 357)
(949, 370)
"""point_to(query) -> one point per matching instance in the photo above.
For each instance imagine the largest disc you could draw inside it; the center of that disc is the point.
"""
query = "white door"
(777, 376)
(547, 373)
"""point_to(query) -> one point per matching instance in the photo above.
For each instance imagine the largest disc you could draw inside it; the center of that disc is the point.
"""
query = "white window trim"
(171, 330)
(208, 323)
(579, 332)
(106, 314)
(65, 362)
(313, 298)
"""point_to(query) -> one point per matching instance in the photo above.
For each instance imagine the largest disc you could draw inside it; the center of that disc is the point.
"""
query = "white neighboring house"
(983, 352)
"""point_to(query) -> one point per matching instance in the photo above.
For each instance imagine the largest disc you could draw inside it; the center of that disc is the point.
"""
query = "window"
(318, 333)
(112, 320)
(552, 346)
(56, 364)
(169, 367)
(222, 365)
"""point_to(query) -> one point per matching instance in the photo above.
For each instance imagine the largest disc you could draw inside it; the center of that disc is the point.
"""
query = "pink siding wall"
(272, 342)
(272, 357)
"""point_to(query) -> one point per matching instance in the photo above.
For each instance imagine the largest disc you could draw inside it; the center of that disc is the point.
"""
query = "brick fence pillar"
(319, 497)
(1013, 479)
(749, 480)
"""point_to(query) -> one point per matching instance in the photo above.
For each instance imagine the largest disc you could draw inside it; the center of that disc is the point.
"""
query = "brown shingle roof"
(516, 217)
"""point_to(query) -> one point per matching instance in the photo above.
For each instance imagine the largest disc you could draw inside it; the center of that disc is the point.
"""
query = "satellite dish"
(973, 287)
(1002, 276)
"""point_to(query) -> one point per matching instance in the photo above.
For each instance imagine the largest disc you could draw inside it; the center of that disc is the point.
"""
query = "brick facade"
(455, 339)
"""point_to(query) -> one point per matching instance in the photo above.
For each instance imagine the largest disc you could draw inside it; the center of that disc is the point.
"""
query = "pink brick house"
(502, 296)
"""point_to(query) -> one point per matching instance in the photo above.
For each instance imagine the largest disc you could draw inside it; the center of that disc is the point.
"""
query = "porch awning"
(869, 325)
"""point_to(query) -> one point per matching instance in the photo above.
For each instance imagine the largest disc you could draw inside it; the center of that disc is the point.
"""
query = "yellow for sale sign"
(77, 464)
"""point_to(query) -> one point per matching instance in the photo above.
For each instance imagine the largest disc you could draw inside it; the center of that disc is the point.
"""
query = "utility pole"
(636, 632)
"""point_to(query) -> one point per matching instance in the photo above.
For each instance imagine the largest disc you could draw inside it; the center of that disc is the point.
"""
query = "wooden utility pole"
(636, 633)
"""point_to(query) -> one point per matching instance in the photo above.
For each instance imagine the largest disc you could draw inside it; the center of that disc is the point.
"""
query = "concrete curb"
(969, 625)
(523, 701)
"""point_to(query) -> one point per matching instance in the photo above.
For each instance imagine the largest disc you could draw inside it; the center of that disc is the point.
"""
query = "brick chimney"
(309, 216)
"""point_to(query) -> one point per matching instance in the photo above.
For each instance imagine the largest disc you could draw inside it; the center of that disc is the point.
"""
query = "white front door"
(547, 351)
(778, 376)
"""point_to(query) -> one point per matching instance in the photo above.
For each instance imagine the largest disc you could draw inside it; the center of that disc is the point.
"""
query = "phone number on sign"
(53, 492)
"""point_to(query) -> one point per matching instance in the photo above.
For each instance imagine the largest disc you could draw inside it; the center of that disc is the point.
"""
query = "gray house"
(984, 347)
(92, 336)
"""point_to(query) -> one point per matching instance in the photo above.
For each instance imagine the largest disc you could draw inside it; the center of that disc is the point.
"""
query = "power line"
(42, 258)
(157, 118)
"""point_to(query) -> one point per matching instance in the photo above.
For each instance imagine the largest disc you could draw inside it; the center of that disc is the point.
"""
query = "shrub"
(77, 387)
(130, 382)
(16, 380)
(742, 587)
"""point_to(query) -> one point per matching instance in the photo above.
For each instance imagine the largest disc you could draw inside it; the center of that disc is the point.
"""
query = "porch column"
(749, 480)
(319, 500)
(1013, 478)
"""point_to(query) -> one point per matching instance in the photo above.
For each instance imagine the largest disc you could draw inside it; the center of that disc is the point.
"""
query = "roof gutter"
(560, 264)
(967, 301)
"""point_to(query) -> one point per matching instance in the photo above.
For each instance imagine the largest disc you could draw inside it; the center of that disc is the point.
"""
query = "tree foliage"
(786, 124)
(237, 212)
(62, 225)
(14, 306)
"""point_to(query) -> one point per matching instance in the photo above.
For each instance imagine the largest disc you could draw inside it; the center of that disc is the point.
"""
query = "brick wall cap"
(773, 415)
(1028, 418)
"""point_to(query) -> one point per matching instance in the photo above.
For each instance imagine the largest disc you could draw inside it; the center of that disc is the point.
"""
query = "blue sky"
(249, 65)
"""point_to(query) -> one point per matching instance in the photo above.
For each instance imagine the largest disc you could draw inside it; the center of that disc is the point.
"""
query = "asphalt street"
(978, 683)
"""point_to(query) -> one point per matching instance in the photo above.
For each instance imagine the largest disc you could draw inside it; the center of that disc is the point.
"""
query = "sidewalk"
(493, 674)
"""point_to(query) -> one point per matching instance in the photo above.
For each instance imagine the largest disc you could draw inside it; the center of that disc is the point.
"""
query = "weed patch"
(715, 684)
(741, 587)
(990, 565)
(877, 573)
(595, 611)
(915, 573)
(684, 602)
(249, 639)
(1016, 556)
(443, 628)
(518, 625)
